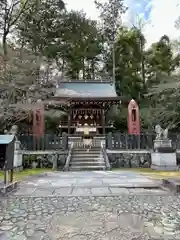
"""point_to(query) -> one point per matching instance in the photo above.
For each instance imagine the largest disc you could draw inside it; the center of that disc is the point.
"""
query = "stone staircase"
(81, 159)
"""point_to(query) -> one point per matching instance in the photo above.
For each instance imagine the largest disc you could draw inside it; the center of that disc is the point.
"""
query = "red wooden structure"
(133, 118)
(38, 120)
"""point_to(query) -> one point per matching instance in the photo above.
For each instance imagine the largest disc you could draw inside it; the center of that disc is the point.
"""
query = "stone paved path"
(85, 184)
(40, 210)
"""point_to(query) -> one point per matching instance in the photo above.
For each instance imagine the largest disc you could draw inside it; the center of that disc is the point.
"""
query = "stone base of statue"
(164, 156)
(164, 161)
(18, 158)
(166, 143)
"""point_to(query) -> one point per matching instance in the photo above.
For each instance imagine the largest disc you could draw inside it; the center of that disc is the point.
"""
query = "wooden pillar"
(103, 121)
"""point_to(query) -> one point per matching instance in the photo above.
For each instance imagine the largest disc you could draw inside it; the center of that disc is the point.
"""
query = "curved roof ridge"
(86, 89)
(86, 81)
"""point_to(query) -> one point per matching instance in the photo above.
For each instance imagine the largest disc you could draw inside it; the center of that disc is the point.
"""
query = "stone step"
(86, 151)
(87, 168)
(90, 160)
(93, 147)
(93, 140)
(87, 164)
(98, 160)
(86, 159)
(80, 143)
(81, 147)
(95, 155)
(86, 155)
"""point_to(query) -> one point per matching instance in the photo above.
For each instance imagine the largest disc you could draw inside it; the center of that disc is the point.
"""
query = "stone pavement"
(98, 183)
(34, 212)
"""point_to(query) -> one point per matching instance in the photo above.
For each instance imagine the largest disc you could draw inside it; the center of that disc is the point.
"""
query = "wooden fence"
(45, 143)
(115, 140)
(127, 141)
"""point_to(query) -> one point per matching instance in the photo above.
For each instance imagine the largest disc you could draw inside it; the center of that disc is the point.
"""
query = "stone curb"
(8, 188)
(172, 185)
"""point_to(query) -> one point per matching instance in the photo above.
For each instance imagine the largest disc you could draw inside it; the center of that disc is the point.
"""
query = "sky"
(157, 16)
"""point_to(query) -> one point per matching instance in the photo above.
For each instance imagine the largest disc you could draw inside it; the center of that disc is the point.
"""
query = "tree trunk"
(93, 69)
(21, 49)
(143, 72)
(142, 64)
(5, 52)
(5, 45)
(38, 60)
(47, 71)
(84, 75)
(63, 65)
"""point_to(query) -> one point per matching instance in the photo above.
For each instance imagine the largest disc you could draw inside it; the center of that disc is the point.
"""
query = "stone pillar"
(164, 156)
(109, 141)
(18, 156)
(65, 141)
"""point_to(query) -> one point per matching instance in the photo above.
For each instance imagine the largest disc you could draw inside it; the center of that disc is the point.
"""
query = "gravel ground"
(100, 210)
(121, 217)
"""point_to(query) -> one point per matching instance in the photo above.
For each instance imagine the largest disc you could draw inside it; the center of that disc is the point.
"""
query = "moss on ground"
(144, 171)
(152, 173)
(27, 172)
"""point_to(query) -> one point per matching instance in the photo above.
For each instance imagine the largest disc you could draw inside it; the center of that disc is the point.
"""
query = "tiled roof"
(86, 89)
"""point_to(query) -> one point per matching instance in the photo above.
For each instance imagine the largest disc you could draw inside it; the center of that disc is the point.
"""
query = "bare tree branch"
(23, 8)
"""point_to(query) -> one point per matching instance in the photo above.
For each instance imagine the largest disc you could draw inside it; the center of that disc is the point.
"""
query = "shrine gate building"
(86, 103)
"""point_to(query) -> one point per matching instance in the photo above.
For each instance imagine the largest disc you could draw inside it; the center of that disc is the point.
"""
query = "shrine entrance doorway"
(87, 117)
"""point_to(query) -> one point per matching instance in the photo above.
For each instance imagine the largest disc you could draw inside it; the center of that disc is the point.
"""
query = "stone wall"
(130, 160)
(53, 160)
(178, 158)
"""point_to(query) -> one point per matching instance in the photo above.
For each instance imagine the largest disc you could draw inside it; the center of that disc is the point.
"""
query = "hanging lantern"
(79, 116)
(86, 116)
(91, 116)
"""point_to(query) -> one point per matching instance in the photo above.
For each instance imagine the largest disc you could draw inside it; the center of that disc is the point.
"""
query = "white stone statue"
(13, 130)
(160, 133)
(165, 133)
